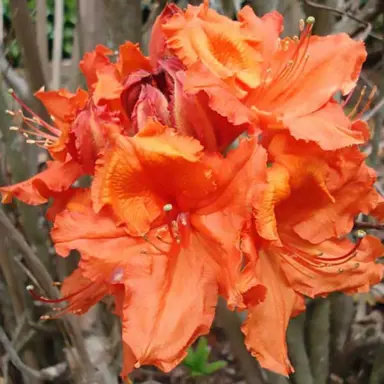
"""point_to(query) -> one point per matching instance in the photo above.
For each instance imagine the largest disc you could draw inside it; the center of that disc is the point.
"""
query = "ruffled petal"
(61, 104)
(329, 127)
(94, 62)
(133, 177)
(166, 312)
(157, 44)
(222, 220)
(321, 67)
(208, 107)
(267, 322)
(58, 177)
(226, 47)
(334, 219)
(131, 60)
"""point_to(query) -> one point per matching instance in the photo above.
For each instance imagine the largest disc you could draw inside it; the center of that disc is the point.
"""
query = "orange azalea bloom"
(290, 88)
(296, 238)
(157, 237)
(74, 141)
(139, 88)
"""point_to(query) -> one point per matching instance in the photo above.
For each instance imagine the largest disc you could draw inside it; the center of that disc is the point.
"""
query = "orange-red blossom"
(171, 218)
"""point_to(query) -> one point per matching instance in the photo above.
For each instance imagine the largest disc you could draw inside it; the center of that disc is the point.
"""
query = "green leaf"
(197, 361)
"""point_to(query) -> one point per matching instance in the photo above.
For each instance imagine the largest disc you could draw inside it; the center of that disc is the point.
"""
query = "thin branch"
(344, 13)
(367, 116)
(230, 322)
(46, 283)
(14, 357)
(58, 43)
(362, 225)
(41, 34)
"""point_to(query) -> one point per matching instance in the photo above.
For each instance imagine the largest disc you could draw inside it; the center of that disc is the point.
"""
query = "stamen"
(367, 104)
(301, 25)
(36, 296)
(35, 124)
(310, 20)
(167, 207)
(354, 110)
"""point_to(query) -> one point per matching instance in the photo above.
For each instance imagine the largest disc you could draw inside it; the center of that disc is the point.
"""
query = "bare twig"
(367, 116)
(297, 351)
(58, 43)
(344, 13)
(14, 357)
(46, 283)
(41, 34)
(363, 225)
(230, 322)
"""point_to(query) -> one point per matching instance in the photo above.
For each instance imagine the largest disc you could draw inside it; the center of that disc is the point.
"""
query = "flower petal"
(210, 108)
(169, 310)
(267, 322)
(131, 59)
(327, 219)
(58, 177)
(328, 127)
(223, 45)
(62, 104)
(134, 177)
(93, 62)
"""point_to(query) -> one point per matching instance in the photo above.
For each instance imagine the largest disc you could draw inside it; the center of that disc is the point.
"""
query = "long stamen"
(36, 296)
(318, 261)
(367, 104)
(37, 119)
(283, 79)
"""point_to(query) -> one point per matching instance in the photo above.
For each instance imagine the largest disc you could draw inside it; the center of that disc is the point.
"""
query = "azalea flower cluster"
(176, 214)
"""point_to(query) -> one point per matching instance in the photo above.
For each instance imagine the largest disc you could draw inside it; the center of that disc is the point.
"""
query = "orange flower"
(291, 85)
(296, 240)
(177, 258)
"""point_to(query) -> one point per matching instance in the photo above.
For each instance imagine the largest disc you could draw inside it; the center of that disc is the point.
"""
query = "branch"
(14, 357)
(363, 225)
(297, 351)
(230, 323)
(57, 43)
(345, 13)
(46, 283)
(319, 339)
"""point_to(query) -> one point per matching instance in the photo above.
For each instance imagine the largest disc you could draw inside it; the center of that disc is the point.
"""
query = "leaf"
(197, 360)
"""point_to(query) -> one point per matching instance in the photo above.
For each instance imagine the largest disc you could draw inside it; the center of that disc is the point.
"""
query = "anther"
(310, 20)
(8, 112)
(167, 207)
(13, 128)
(11, 91)
(301, 25)
(56, 284)
(45, 317)
(360, 233)
(29, 141)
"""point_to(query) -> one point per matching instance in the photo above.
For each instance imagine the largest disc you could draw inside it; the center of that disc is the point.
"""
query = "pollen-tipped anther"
(310, 20)
(167, 208)
(360, 233)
